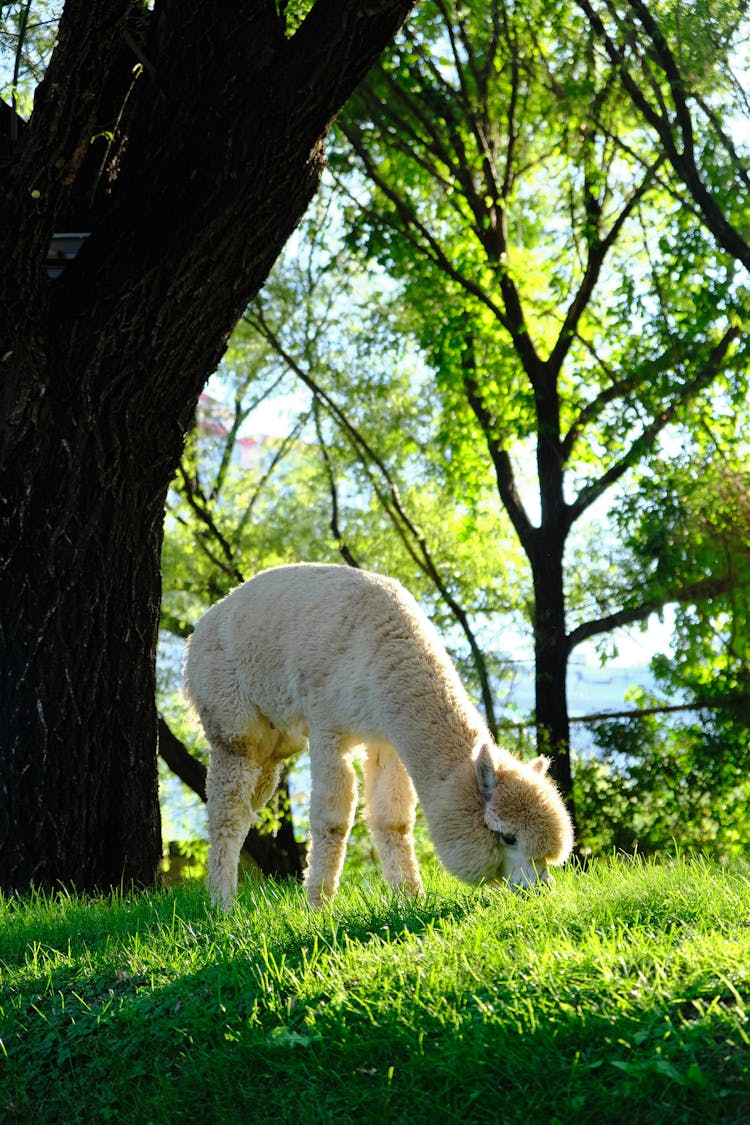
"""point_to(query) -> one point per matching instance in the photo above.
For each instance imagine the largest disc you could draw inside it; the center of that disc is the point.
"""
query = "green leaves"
(508, 327)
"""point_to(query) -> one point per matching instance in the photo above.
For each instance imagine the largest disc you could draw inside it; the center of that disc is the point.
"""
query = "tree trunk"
(217, 153)
(80, 591)
(551, 654)
(545, 548)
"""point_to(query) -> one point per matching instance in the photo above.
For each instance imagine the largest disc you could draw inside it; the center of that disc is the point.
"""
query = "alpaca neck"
(437, 739)
(451, 795)
(437, 758)
(455, 817)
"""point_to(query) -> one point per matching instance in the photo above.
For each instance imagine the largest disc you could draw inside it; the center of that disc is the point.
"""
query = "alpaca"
(342, 659)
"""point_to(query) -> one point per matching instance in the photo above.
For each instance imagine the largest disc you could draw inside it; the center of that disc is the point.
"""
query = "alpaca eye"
(508, 838)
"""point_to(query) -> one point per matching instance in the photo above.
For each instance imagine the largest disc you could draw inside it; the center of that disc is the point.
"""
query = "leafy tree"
(187, 141)
(678, 770)
(663, 55)
(575, 314)
(659, 783)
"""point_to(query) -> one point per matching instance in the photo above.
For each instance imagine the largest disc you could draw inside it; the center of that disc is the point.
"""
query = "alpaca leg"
(333, 802)
(231, 782)
(391, 801)
(266, 784)
(278, 746)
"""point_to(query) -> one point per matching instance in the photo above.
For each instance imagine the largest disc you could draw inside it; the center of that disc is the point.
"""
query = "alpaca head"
(523, 807)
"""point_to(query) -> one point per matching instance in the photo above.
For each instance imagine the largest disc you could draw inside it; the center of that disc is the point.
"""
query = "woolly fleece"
(340, 659)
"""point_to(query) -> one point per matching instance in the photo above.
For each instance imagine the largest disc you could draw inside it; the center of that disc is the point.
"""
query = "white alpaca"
(341, 659)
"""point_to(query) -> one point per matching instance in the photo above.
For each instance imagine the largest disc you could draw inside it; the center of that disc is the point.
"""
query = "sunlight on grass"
(465, 1004)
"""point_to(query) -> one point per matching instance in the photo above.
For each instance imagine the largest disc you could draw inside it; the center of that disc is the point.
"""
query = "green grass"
(620, 995)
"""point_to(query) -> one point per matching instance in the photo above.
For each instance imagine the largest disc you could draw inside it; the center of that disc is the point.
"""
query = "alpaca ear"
(486, 773)
(541, 764)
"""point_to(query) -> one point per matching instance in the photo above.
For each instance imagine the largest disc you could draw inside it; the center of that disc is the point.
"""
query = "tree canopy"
(562, 287)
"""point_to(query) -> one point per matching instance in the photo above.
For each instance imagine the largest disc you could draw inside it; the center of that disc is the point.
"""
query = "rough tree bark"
(218, 123)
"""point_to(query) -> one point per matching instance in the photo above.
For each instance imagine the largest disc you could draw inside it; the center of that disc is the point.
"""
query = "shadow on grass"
(206, 1050)
(237, 1040)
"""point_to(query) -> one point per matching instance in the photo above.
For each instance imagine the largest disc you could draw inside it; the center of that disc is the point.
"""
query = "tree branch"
(646, 439)
(641, 712)
(191, 494)
(501, 461)
(56, 139)
(241, 413)
(327, 461)
(689, 594)
(597, 252)
(682, 161)
(181, 762)
(344, 30)
(425, 243)
(276, 460)
(394, 508)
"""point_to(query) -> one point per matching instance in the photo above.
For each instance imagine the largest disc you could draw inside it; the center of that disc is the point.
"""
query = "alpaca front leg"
(231, 781)
(333, 801)
(391, 801)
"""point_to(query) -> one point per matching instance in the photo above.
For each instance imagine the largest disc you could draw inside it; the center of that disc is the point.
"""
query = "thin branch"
(386, 111)
(22, 27)
(591, 410)
(424, 557)
(647, 438)
(727, 143)
(682, 161)
(276, 460)
(512, 132)
(504, 474)
(198, 505)
(597, 252)
(457, 60)
(181, 762)
(404, 138)
(328, 462)
(638, 712)
(511, 317)
(688, 594)
(661, 53)
(241, 414)
(203, 546)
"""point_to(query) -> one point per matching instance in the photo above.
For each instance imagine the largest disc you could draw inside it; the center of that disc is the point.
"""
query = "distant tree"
(571, 306)
(674, 772)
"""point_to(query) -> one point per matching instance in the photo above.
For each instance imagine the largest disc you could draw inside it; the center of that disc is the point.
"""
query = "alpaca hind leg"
(333, 802)
(230, 785)
(278, 747)
(390, 801)
(266, 784)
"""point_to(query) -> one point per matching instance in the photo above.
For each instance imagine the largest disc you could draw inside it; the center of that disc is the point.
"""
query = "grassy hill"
(619, 995)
